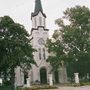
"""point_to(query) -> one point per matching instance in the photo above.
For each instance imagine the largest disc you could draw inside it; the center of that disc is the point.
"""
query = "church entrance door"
(43, 75)
(56, 77)
(25, 77)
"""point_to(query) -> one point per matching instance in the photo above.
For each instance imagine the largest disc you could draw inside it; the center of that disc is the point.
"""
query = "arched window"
(44, 23)
(44, 55)
(40, 21)
(35, 21)
(40, 53)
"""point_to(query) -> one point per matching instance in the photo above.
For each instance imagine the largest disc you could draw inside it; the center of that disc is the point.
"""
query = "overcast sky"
(20, 10)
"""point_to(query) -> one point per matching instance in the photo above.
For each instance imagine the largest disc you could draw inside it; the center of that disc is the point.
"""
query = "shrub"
(75, 84)
(38, 87)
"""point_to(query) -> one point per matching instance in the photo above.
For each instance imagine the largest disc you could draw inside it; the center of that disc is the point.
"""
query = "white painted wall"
(37, 34)
(37, 20)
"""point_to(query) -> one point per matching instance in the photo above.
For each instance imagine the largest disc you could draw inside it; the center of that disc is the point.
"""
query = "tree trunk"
(5, 77)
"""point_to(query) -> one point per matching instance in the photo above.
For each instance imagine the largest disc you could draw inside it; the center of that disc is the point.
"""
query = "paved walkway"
(71, 88)
(75, 88)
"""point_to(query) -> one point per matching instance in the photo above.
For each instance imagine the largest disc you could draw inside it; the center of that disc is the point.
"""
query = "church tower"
(39, 34)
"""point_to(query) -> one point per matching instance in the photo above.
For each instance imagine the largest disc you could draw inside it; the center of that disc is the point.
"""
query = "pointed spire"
(38, 6)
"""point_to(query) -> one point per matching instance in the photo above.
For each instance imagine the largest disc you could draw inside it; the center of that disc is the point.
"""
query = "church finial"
(38, 6)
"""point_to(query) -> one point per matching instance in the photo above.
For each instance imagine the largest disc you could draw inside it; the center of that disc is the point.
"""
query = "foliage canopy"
(71, 43)
(15, 47)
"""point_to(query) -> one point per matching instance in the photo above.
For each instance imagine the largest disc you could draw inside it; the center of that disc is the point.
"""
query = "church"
(40, 34)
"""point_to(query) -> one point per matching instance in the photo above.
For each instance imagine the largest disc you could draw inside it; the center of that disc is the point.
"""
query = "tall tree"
(15, 47)
(56, 51)
(74, 28)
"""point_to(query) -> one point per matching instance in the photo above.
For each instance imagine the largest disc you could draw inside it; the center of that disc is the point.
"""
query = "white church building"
(40, 34)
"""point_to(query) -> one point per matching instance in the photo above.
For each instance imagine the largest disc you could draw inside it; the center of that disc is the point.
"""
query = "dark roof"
(38, 8)
(38, 28)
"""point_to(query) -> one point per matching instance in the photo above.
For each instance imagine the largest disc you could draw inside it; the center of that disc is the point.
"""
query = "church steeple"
(38, 6)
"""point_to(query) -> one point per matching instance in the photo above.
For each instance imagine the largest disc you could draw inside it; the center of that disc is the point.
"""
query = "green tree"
(74, 28)
(56, 51)
(15, 48)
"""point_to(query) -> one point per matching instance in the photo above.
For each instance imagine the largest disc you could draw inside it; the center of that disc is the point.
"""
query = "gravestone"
(76, 78)
(28, 82)
(0, 81)
(50, 80)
